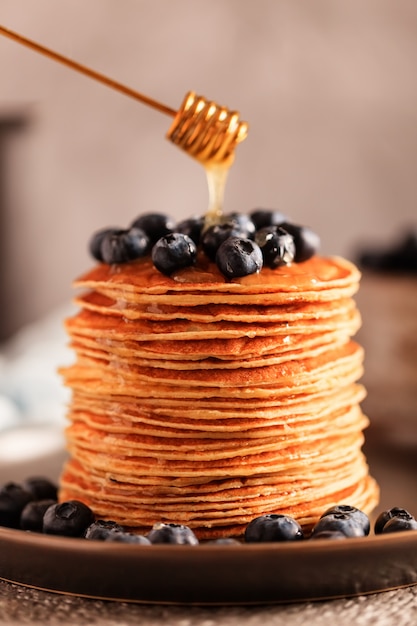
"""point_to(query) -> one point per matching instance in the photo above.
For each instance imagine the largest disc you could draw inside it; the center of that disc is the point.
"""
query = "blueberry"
(122, 246)
(356, 514)
(340, 522)
(306, 241)
(397, 524)
(239, 257)
(174, 252)
(384, 517)
(217, 234)
(225, 541)
(100, 529)
(41, 488)
(172, 533)
(125, 537)
(277, 246)
(273, 527)
(241, 222)
(155, 225)
(70, 519)
(96, 240)
(329, 534)
(266, 217)
(13, 499)
(192, 227)
(33, 513)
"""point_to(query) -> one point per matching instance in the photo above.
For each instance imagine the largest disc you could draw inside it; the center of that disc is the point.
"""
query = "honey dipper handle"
(87, 71)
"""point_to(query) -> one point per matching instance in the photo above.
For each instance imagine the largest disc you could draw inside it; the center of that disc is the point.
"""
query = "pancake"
(224, 419)
(208, 402)
(323, 277)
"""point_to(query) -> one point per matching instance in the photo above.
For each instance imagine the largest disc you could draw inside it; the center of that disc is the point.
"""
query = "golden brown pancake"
(208, 402)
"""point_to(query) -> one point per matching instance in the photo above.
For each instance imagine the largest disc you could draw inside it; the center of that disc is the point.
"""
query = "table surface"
(19, 606)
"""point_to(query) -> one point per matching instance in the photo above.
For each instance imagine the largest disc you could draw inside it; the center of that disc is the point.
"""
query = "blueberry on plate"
(122, 246)
(267, 217)
(238, 257)
(155, 225)
(307, 242)
(174, 252)
(41, 488)
(340, 522)
(329, 534)
(224, 541)
(172, 533)
(397, 524)
(70, 519)
(277, 246)
(192, 227)
(217, 234)
(386, 516)
(356, 514)
(96, 240)
(32, 515)
(125, 537)
(273, 527)
(13, 499)
(100, 529)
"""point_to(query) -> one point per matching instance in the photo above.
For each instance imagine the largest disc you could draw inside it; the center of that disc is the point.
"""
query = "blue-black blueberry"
(174, 252)
(225, 541)
(273, 527)
(70, 518)
(126, 537)
(155, 225)
(96, 240)
(32, 515)
(172, 533)
(385, 517)
(122, 246)
(397, 524)
(100, 529)
(277, 246)
(238, 257)
(241, 222)
(356, 514)
(267, 217)
(41, 488)
(13, 499)
(217, 234)
(192, 227)
(340, 522)
(307, 242)
(329, 534)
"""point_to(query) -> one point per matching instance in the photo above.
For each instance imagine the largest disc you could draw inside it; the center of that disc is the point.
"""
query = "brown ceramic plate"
(209, 574)
(235, 574)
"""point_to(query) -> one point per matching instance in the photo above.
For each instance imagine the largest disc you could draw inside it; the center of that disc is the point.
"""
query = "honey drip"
(216, 181)
(209, 133)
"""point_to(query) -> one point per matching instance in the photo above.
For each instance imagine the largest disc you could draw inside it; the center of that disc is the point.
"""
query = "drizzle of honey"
(209, 133)
(216, 181)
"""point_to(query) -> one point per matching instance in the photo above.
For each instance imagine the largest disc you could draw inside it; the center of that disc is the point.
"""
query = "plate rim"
(210, 574)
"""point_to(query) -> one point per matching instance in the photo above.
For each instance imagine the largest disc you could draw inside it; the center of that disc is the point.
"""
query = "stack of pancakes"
(207, 402)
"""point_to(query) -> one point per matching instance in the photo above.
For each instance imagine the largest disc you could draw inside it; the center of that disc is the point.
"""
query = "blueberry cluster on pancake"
(208, 399)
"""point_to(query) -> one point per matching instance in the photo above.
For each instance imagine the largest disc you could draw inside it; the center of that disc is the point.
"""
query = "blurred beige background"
(328, 86)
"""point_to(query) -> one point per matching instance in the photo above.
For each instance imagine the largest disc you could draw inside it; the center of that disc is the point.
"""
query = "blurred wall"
(328, 86)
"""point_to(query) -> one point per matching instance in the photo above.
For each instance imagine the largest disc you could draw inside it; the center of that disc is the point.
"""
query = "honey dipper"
(206, 131)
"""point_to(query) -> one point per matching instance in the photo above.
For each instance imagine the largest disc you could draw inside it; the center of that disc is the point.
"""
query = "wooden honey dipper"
(204, 130)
